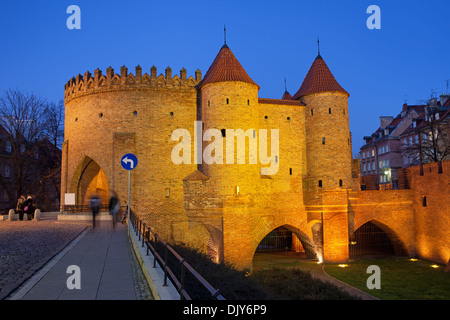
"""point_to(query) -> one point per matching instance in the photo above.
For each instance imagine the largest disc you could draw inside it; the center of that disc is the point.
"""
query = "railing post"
(165, 264)
(148, 239)
(182, 279)
(143, 234)
(156, 250)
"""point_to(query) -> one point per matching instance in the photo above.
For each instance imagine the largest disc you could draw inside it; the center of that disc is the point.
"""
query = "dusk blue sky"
(406, 60)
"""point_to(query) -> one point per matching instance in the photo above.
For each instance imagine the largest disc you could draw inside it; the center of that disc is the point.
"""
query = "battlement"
(87, 84)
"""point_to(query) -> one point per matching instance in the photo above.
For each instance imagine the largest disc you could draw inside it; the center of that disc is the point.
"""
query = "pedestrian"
(20, 205)
(124, 217)
(114, 207)
(29, 208)
(95, 207)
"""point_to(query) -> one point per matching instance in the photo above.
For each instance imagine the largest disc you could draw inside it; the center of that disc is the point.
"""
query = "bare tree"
(54, 123)
(431, 140)
(30, 122)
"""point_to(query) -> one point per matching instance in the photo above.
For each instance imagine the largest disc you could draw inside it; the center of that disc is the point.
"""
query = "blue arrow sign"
(129, 161)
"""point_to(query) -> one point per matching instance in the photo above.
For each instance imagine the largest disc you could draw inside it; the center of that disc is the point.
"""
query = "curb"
(153, 276)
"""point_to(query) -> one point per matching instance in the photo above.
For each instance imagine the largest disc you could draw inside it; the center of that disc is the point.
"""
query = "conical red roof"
(318, 79)
(286, 96)
(226, 67)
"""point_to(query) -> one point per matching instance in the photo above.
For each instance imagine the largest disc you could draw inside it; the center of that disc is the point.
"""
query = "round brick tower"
(328, 141)
(229, 99)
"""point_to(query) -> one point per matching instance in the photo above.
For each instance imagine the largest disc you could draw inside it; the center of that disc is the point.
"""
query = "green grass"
(401, 279)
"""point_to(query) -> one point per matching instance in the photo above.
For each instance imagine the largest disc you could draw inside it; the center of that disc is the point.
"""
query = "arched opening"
(283, 245)
(89, 179)
(373, 239)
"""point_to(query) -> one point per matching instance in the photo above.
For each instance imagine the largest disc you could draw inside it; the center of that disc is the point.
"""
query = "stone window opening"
(248, 102)
(312, 112)
(100, 114)
(223, 132)
(340, 183)
(228, 101)
(288, 118)
(266, 117)
(320, 183)
(323, 140)
(290, 171)
(424, 201)
(171, 114)
(329, 110)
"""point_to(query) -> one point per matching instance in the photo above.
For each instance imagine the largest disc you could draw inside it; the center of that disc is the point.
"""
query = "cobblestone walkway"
(140, 284)
(26, 246)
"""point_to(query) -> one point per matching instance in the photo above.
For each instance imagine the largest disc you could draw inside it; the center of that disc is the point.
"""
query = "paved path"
(108, 270)
(26, 246)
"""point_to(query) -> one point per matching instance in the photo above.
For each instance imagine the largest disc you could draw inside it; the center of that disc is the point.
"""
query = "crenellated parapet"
(88, 83)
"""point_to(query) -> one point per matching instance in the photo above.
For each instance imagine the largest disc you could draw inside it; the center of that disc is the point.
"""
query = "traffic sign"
(129, 161)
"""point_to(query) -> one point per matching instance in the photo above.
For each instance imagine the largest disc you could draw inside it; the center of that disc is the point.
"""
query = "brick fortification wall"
(109, 116)
(227, 209)
(431, 194)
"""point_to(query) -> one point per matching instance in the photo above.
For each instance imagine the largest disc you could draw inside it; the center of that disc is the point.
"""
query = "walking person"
(95, 207)
(114, 208)
(20, 205)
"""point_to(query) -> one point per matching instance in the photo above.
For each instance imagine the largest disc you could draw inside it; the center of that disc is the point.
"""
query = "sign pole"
(129, 161)
(129, 205)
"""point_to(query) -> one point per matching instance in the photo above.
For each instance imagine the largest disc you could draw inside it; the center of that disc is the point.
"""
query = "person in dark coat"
(20, 206)
(95, 207)
(29, 208)
(114, 207)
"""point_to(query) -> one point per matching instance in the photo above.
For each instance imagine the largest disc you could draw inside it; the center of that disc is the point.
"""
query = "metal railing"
(172, 263)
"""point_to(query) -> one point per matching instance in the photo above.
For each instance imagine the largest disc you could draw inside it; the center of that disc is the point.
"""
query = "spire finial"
(285, 87)
(318, 46)
(224, 34)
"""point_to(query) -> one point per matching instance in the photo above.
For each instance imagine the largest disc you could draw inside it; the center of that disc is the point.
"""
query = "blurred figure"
(20, 206)
(29, 208)
(114, 207)
(95, 207)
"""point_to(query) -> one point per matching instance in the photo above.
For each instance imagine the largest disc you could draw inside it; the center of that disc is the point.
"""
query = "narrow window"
(320, 183)
(254, 133)
(312, 112)
(340, 183)
(135, 113)
(223, 132)
(329, 110)
(424, 201)
(323, 140)
(439, 167)
(265, 117)
(290, 171)
(228, 101)
(76, 119)
(209, 103)
(344, 110)
(100, 115)
(288, 118)
(171, 114)
(248, 102)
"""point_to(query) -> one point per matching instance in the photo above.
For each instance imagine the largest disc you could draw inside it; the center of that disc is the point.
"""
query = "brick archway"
(311, 247)
(89, 179)
(376, 238)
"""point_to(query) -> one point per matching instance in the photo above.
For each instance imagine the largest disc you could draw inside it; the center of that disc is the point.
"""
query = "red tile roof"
(318, 79)
(226, 67)
(280, 101)
(286, 96)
